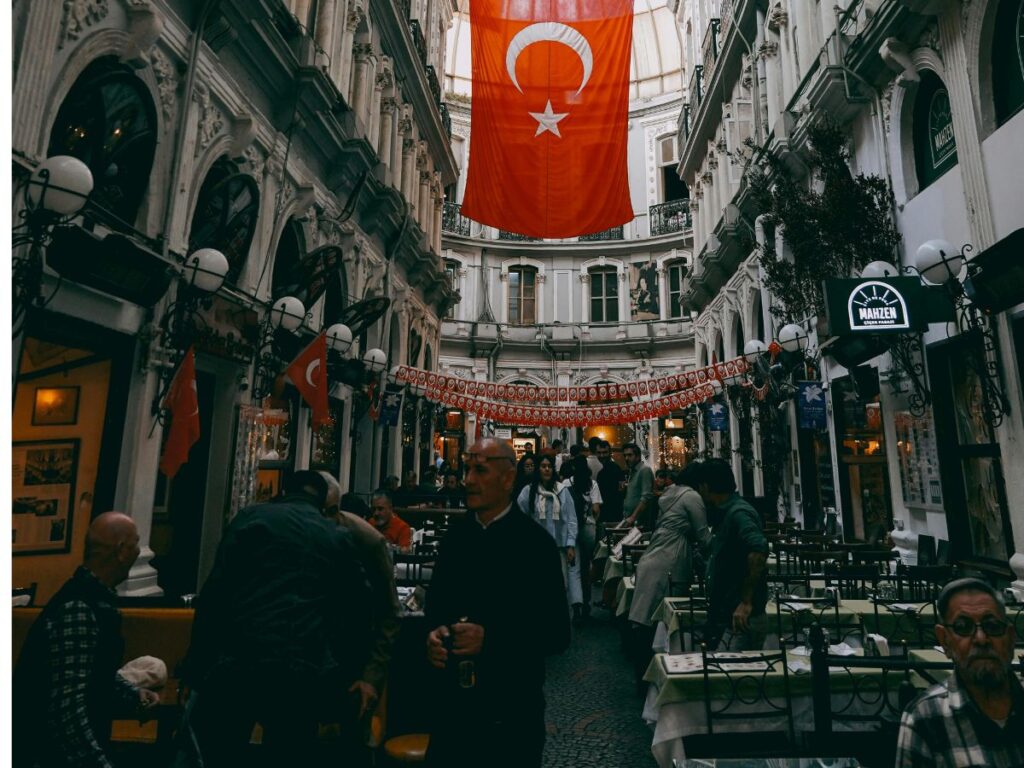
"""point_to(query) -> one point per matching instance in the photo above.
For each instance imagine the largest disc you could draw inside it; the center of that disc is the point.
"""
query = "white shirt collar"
(485, 526)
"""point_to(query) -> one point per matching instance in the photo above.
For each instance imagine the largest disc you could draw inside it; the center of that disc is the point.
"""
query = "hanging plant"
(834, 223)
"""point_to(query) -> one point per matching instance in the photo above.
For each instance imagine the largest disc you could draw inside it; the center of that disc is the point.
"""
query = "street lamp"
(339, 338)
(287, 313)
(793, 338)
(375, 360)
(204, 270)
(939, 263)
(60, 185)
(754, 349)
(876, 269)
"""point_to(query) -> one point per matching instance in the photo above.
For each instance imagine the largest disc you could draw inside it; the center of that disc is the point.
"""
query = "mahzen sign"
(876, 305)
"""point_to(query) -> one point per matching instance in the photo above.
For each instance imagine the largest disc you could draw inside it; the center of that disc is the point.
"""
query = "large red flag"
(547, 153)
(182, 401)
(308, 373)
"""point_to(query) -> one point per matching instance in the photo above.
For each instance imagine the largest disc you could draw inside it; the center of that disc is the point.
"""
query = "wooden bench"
(161, 632)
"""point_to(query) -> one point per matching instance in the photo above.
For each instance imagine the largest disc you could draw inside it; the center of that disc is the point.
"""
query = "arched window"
(522, 295)
(676, 273)
(934, 140)
(604, 295)
(108, 122)
(287, 280)
(337, 295)
(225, 217)
(415, 346)
(1008, 60)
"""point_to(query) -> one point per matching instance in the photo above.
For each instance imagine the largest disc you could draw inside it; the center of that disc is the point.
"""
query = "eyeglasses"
(964, 627)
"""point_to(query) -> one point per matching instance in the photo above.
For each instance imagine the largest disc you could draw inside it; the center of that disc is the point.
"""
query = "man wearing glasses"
(976, 717)
(497, 605)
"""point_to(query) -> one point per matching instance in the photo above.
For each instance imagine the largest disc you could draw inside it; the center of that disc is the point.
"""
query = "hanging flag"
(810, 405)
(550, 111)
(391, 406)
(308, 373)
(718, 417)
(182, 400)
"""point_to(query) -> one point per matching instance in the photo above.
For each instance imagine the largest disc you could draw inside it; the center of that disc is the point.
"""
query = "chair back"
(883, 558)
(795, 616)
(815, 561)
(410, 568)
(853, 582)
(922, 582)
(911, 624)
(24, 597)
(631, 554)
(942, 552)
(745, 687)
(926, 554)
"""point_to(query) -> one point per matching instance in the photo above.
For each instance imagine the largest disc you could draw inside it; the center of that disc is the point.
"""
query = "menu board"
(919, 459)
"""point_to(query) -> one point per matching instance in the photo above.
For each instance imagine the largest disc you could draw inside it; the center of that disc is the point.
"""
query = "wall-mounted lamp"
(375, 360)
(286, 314)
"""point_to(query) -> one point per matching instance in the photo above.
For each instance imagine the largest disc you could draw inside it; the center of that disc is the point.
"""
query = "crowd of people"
(297, 621)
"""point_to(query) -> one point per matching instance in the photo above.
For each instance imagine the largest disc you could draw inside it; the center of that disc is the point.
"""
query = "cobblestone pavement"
(593, 712)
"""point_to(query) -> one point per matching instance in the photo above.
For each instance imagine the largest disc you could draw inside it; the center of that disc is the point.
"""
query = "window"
(451, 271)
(676, 273)
(934, 140)
(604, 296)
(522, 295)
(1008, 60)
(225, 218)
(672, 187)
(108, 122)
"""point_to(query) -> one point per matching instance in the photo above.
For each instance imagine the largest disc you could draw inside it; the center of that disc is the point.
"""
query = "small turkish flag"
(182, 400)
(547, 153)
(308, 373)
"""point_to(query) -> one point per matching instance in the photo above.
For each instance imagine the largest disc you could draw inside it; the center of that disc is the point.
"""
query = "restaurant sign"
(885, 305)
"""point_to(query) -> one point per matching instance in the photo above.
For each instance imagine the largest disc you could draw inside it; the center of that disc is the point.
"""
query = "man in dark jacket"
(493, 623)
(266, 643)
(66, 687)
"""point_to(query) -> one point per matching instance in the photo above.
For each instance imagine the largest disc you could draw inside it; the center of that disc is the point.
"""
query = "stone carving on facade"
(777, 17)
(389, 104)
(253, 163)
(211, 119)
(767, 49)
(887, 104)
(896, 56)
(79, 15)
(930, 37)
(166, 84)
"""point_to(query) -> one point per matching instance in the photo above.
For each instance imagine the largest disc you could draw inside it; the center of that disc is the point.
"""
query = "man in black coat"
(268, 643)
(66, 687)
(497, 603)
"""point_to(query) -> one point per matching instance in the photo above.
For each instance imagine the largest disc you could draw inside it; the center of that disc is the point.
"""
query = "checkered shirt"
(944, 728)
(73, 633)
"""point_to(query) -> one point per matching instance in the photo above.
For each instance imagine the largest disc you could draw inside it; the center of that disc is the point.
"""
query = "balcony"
(685, 122)
(453, 222)
(615, 233)
(515, 237)
(711, 44)
(446, 118)
(435, 86)
(696, 86)
(418, 41)
(673, 216)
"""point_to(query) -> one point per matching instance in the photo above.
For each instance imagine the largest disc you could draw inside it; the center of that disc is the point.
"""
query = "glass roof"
(656, 60)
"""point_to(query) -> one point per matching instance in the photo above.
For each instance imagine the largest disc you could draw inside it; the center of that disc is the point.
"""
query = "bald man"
(66, 686)
(372, 551)
(494, 623)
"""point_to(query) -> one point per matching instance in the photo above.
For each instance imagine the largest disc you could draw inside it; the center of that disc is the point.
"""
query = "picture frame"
(55, 406)
(43, 504)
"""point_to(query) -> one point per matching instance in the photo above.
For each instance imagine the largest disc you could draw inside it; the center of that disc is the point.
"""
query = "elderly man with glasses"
(497, 605)
(976, 717)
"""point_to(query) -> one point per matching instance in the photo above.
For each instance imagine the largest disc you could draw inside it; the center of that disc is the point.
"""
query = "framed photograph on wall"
(55, 406)
(43, 477)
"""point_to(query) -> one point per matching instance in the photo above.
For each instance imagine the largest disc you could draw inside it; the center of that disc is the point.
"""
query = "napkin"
(881, 643)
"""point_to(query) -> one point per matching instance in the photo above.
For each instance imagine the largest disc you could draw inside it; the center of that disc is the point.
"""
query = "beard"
(985, 671)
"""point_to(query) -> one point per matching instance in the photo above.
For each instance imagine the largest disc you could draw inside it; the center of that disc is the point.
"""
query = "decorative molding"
(897, 57)
(166, 84)
(777, 17)
(211, 119)
(79, 15)
(767, 49)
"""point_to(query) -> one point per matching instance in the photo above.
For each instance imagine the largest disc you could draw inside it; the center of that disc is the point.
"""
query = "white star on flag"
(548, 120)
(812, 393)
(391, 401)
(717, 408)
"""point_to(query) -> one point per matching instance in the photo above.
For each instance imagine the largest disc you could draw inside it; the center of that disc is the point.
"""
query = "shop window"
(1008, 60)
(108, 122)
(522, 295)
(604, 296)
(676, 273)
(325, 453)
(934, 140)
(225, 217)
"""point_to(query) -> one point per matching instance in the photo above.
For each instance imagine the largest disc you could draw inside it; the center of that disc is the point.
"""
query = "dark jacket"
(608, 480)
(35, 737)
(286, 593)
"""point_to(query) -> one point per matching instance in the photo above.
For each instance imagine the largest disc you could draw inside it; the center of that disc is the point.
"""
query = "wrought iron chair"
(795, 616)
(631, 554)
(852, 581)
(410, 568)
(923, 582)
(882, 558)
(908, 623)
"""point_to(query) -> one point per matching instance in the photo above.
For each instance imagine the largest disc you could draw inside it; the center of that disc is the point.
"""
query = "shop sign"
(391, 406)
(886, 305)
(503, 433)
(718, 417)
(940, 128)
(810, 405)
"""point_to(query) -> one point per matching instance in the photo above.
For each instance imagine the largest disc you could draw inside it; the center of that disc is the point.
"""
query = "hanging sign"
(810, 405)
(391, 406)
(718, 417)
(882, 305)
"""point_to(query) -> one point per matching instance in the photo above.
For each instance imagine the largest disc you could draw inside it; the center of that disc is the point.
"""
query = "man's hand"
(627, 522)
(469, 639)
(741, 617)
(148, 701)
(570, 555)
(367, 696)
(437, 654)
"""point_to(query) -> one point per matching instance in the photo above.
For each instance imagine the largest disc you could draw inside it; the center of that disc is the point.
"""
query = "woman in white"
(552, 507)
(586, 497)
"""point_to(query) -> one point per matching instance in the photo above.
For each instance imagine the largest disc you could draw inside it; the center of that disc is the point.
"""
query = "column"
(301, 10)
(325, 14)
(382, 81)
(387, 129)
(360, 84)
(32, 86)
(408, 169)
(343, 57)
(424, 208)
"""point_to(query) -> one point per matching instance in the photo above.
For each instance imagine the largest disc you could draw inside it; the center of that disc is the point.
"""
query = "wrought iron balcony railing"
(615, 233)
(673, 216)
(696, 86)
(435, 86)
(418, 40)
(514, 236)
(446, 118)
(686, 122)
(453, 221)
(710, 46)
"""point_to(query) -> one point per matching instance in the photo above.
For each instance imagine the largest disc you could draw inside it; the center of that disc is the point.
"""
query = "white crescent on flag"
(309, 372)
(549, 31)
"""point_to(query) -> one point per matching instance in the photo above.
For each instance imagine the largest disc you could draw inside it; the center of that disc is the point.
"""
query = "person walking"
(586, 498)
(66, 684)
(494, 621)
(638, 504)
(611, 481)
(526, 473)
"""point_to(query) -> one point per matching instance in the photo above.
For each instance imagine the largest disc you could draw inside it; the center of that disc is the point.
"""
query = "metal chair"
(410, 568)
(883, 558)
(802, 613)
(853, 582)
(922, 582)
(631, 554)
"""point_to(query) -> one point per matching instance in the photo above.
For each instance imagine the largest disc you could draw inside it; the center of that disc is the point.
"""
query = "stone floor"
(593, 713)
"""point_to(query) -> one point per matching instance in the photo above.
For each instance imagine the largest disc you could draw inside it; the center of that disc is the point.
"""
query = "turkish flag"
(182, 400)
(308, 373)
(547, 154)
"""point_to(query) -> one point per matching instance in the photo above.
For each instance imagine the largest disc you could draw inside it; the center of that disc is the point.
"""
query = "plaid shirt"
(73, 633)
(943, 727)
